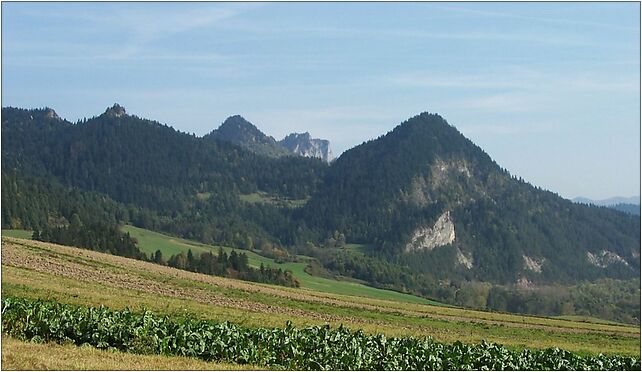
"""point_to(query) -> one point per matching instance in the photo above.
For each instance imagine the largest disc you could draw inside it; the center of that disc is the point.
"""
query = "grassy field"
(23, 234)
(264, 198)
(149, 242)
(70, 275)
(26, 356)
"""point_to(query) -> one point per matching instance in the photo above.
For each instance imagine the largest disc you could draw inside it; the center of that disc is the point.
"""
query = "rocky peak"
(240, 131)
(237, 130)
(116, 111)
(51, 114)
(238, 124)
(304, 145)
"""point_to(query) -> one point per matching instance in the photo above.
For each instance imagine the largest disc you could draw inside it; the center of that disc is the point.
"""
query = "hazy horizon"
(550, 91)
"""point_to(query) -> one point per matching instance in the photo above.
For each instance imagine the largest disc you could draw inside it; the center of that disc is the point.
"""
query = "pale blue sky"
(549, 90)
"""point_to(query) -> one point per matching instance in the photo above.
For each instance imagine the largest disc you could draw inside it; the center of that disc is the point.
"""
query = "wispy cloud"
(515, 78)
(548, 20)
(131, 30)
(270, 30)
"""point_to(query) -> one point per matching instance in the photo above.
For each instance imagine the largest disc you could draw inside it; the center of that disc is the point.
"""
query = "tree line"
(102, 237)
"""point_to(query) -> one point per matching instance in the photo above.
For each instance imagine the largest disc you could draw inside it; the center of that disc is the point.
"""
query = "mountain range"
(610, 201)
(433, 213)
(239, 131)
(630, 205)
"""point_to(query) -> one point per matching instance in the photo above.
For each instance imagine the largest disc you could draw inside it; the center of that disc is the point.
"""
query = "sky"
(551, 91)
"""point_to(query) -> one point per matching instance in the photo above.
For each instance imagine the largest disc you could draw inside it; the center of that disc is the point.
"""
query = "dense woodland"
(117, 168)
(235, 265)
(96, 236)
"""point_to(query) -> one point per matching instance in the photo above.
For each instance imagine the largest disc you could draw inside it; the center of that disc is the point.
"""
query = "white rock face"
(116, 111)
(465, 260)
(604, 259)
(428, 238)
(524, 283)
(303, 144)
(51, 114)
(419, 193)
(441, 170)
(533, 264)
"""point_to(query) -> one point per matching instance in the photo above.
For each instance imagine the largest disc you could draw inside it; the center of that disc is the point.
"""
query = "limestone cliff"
(430, 237)
(304, 145)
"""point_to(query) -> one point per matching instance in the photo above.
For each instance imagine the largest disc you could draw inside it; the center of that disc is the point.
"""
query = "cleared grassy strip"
(149, 242)
(262, 305)
(264, 198)
(22, 234)
(589, 319)
(28, 356)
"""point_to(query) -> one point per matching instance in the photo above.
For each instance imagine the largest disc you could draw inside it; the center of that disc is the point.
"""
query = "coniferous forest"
(116, 169)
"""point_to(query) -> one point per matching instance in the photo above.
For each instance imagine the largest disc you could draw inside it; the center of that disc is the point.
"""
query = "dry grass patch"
(20, 356)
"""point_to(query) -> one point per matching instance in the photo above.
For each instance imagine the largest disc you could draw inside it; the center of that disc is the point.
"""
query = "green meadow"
(150, 241)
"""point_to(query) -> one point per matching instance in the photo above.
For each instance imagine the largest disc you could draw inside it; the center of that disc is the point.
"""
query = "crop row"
(315, 348)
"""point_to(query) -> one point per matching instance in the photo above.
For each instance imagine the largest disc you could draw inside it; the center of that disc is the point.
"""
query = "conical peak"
(116, 110)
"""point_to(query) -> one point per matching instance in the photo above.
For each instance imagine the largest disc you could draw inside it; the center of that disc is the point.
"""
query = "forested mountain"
(428, 196)
(438, 216)
(237, 130)
(627, 208)
(167, 179)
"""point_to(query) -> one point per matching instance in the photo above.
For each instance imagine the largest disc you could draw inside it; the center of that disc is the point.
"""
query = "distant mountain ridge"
(630, 205)
(239, 131)
(633, 209)
(609, 201)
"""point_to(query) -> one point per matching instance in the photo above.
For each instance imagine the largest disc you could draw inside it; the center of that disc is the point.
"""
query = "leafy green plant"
(312, 348)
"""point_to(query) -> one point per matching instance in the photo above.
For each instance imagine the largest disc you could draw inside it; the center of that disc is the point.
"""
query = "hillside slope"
(428, 195)
(160, 177)
(81, 277)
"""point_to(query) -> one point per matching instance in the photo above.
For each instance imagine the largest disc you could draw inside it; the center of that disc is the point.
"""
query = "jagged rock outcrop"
(116, 111)
(304, 145)
(465, 260)
(533, 264)
(428, 238)
(51, 114)
(239, 131)
(604, 259)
